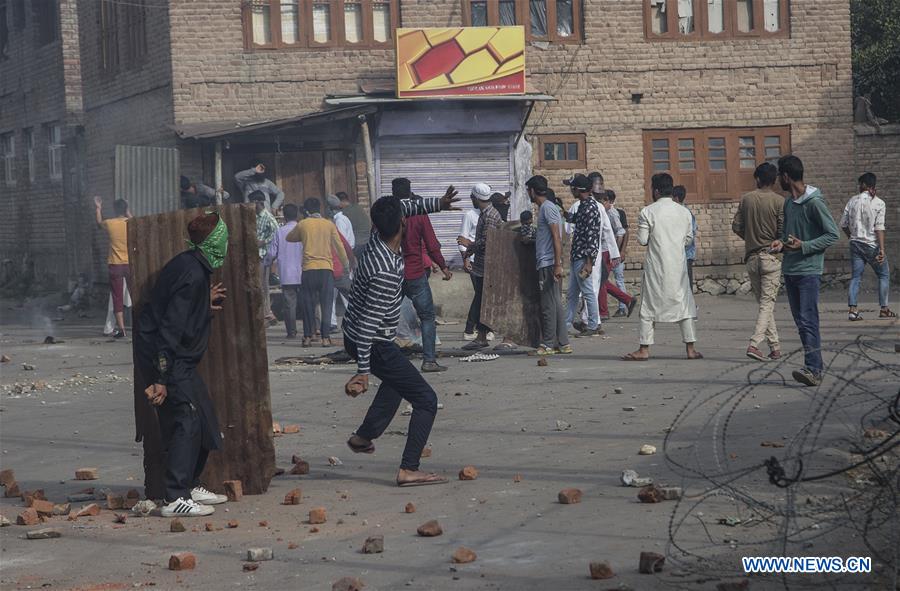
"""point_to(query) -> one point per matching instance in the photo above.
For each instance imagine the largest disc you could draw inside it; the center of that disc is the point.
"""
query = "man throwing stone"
(664, 227)
(171, 341)
(369, 329)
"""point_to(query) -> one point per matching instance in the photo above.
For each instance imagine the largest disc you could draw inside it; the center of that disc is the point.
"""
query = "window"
(561, 151)
(54, 150)
(109, 35)
(29, 152)
(274, 24)
(45, 19)
(8, 164)
(715, 19)
(135, 32)
(558, 21)
(4, 32)
(713, 164)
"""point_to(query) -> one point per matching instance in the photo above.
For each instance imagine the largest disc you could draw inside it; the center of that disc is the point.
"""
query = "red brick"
(7, 477)
(301, 468)
(28, 517)
(468, 473)
(182, 561)
(650, 563)
(232, 524)
(291, 429)
(91, 510)
(430, 529)
(42, 507)
(569, 496)
(292, 546)
(293, 497)
(234, 490)
(276, 427)
(601, 570)
(209, 526)
(176, 526)
(29, 496)
(348, 584)
(250, 566)
(115, 502)
(86, 474)
(410, 508)
(317, 516)
(650, 494)
(263, 523)
(464, 555)
(12, 491)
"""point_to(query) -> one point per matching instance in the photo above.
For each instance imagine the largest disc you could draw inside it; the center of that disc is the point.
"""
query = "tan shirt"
(117, 229)
(759, 219)
(318, 236)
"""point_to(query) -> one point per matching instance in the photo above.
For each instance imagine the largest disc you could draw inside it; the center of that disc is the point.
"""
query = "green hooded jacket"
(808, 219)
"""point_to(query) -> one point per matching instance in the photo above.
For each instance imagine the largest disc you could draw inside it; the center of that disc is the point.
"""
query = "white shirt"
(863, 216)
(615, 221)
(467, 229)
(345, 228)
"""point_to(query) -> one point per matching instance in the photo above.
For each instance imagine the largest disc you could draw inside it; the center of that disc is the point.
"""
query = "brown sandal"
(887, 313)
(428, 480)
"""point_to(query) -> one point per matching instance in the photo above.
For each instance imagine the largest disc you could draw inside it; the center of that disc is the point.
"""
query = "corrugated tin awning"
(372, 99)
(225, 129)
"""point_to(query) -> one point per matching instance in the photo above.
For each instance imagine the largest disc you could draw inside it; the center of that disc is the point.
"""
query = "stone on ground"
(182, 561)
(464, 555)
(430, 529)
(569, 496)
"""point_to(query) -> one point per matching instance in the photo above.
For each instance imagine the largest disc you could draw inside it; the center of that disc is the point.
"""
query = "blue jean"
(803, 295)
(619, 273)
(860, 256)
(419, 293)
(584, 287)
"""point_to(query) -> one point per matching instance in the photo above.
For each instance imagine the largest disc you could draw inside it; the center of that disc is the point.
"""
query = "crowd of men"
(390, 253)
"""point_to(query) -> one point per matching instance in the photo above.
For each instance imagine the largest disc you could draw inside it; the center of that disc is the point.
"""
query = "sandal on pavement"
(887, 313)
(854, 317)
(428, 480)
(633, 357)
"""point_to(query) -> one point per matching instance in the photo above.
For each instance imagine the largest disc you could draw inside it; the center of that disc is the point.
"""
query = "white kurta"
(665, 228)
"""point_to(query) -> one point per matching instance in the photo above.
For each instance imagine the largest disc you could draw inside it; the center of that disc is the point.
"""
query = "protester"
(612, 258)
(343, 223)
(679, 193)
(467, 235)
(758, 221)
(527, 229)
(500, 201)
(618, 270)
(172, 339)
(359, 221)
(607, 242)
(584, 255)
(199, 195)
(320, 239)
(664, 227)
(254, 179)
(369, 330)
(548, 257)
(863, 223)
(807, 232)
(266, 229)
(487, 218)
(342, 277)
(420, 247)
(289, 256)
(117, 259)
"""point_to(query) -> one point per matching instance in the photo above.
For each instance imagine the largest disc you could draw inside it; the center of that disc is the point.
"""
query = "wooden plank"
(511, 300)
(236, 366)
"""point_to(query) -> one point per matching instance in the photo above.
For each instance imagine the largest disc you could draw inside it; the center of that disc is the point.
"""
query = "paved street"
(499, 416)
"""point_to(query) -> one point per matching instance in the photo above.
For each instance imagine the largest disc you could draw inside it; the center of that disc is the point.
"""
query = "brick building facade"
(41, 142)
(721, 81)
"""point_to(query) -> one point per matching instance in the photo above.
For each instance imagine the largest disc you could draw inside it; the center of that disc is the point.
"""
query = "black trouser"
(291, 295)
(318, 288)
(399, 381)
(475, 309)
(471, 322)
(181, 428)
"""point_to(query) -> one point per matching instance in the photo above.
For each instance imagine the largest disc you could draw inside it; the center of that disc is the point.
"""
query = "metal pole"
(218, 173)
(370, 158)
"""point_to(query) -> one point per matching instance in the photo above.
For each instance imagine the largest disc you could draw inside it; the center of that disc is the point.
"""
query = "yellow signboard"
(460, 61)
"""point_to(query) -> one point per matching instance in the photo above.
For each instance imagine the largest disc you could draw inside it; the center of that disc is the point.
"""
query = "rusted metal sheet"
(511, 300)
(236, 366)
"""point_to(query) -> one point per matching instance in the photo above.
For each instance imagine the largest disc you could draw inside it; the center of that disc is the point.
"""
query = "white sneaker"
(186, 508)
(206, 497)
(469, 336)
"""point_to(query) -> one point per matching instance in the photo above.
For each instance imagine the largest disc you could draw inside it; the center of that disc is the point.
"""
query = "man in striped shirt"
(369, 329)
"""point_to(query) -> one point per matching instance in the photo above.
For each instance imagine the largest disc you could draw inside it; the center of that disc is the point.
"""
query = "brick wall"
(878, 151)
(40, 85)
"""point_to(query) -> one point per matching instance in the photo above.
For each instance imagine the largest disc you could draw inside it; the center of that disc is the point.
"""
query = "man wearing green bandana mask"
(172, 338)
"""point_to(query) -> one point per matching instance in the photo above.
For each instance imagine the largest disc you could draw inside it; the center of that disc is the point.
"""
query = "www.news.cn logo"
(807, 564)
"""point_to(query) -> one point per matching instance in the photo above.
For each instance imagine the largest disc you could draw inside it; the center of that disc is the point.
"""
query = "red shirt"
(418, 240)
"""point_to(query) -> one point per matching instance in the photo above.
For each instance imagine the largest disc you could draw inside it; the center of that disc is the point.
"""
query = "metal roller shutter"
(433, 162)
